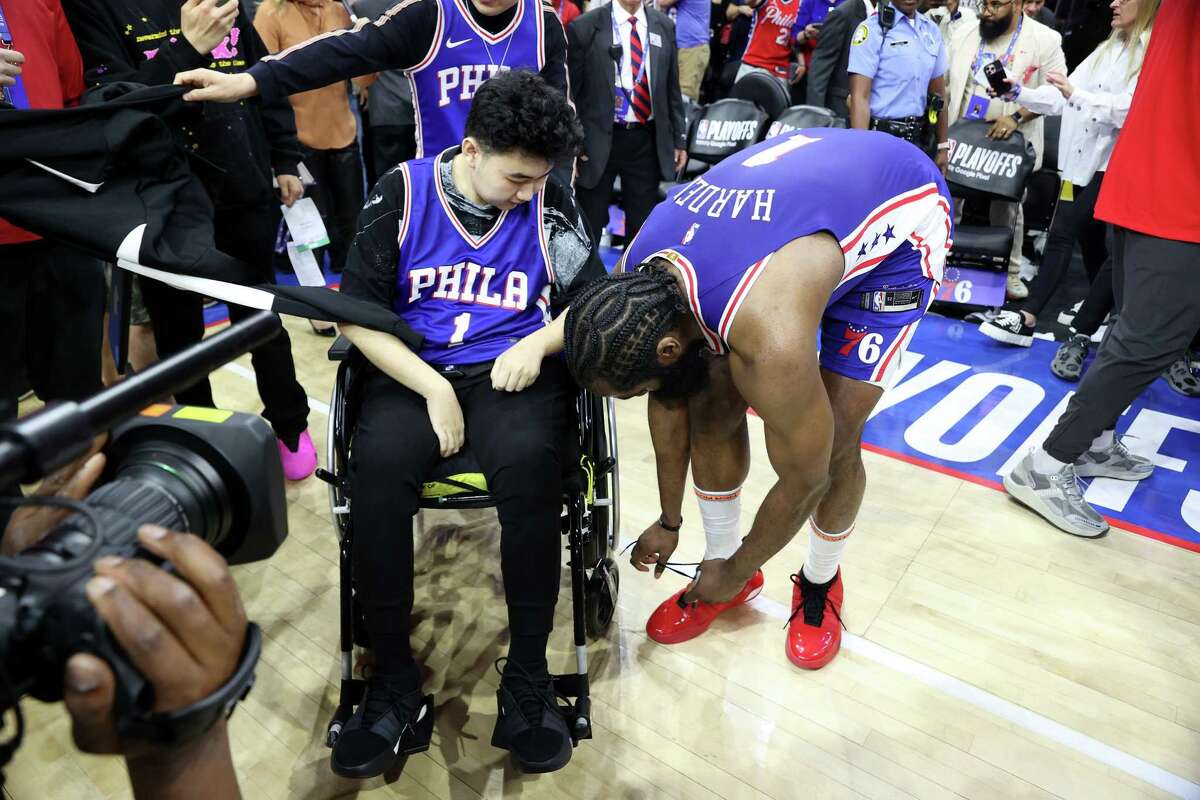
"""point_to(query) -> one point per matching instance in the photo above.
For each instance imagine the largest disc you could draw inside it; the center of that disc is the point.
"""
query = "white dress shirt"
(627, 77)
(1094, 115)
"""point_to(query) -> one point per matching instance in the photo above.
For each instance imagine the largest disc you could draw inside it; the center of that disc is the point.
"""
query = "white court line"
(248, 374)
(1043, 726)
(960, 690)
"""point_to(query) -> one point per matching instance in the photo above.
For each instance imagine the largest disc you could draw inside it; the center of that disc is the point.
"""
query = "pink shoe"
(298, 464)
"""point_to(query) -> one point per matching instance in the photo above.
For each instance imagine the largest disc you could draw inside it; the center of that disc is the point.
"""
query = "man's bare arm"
(670, 437)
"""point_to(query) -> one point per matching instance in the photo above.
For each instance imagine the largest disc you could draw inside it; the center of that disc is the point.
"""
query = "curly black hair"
(615, 323)
(518, 110)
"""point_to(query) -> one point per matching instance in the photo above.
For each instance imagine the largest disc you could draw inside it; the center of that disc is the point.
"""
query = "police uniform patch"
(860, 34)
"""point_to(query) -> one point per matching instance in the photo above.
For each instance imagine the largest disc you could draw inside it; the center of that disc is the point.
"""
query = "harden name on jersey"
(468, 282)
(702, 197)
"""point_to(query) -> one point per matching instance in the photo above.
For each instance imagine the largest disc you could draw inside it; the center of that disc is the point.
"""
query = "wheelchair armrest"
(340, 350)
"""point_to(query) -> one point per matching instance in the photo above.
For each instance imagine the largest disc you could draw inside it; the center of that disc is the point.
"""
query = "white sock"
(721, 513)
(1102, 442)
(824, 553)
(1045, 463)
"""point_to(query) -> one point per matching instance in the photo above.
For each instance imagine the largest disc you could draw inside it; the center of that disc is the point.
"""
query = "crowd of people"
(464, 156)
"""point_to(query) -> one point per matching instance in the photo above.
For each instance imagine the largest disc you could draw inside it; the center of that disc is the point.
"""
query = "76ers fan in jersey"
(462, 57)
(789, 278)
(772, 37)
(471, 297)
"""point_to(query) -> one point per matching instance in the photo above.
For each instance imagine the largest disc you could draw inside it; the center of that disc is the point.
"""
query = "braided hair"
(615, 323)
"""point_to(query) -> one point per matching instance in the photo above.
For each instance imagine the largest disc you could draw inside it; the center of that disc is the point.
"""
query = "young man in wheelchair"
(472, 248)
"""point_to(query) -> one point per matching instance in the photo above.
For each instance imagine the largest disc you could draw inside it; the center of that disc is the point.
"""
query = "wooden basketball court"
(988, 656)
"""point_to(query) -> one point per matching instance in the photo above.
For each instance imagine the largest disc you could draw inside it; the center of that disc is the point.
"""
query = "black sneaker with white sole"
(392, 721)
(1008, 327)
(529, 723)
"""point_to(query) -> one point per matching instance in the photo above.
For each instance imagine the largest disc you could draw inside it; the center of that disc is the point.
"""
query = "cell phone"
(996, 77)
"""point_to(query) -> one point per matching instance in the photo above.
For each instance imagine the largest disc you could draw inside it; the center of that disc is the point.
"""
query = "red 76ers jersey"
(771, 36)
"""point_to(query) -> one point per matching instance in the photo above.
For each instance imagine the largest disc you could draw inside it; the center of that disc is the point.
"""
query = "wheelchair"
(590, 521)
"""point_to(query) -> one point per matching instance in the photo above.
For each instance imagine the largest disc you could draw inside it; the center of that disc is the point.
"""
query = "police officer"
(897, 77)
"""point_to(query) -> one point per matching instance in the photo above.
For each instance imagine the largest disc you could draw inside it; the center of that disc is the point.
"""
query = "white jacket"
(1094, 115)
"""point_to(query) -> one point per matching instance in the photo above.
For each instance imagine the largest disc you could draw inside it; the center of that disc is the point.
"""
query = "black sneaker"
(1068, 361)
(529, 724)
(1008, 327)
(391, 722)
(1182, 375)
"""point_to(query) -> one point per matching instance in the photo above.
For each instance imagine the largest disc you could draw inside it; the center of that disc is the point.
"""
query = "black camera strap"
(173, 728)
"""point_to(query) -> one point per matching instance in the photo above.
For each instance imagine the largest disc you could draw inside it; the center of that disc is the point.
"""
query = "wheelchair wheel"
(600, 594)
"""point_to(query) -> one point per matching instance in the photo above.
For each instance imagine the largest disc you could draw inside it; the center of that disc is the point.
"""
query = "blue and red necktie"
(641, 89)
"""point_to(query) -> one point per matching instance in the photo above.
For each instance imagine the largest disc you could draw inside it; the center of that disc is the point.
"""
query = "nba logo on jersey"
(691, 232)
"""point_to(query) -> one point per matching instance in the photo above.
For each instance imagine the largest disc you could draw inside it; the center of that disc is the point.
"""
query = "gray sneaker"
(1115, 462)
(1056, 496)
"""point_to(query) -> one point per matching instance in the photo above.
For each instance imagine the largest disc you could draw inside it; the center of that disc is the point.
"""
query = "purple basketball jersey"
(871, 191)
(471, 298)
(462, 57)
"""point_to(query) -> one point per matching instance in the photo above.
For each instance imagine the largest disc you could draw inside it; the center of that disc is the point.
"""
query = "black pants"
(633, 157)
(1074, 220)
(178, 321)
(391, 145)
(518, 439)
(338, 193)
(1158, 298)
(1098, 303)
(51, 316)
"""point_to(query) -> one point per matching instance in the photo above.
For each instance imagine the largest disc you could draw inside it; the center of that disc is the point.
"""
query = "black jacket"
(112, 180)
(235, 146)
(829, 74)
(594, 86)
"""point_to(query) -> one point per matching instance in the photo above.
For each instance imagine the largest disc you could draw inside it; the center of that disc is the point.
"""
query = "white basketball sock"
(1102, 442)
(721, 513)
(824, 553)
(1045, 463)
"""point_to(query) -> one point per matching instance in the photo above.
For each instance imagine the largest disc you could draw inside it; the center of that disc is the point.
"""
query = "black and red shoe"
(815, 627)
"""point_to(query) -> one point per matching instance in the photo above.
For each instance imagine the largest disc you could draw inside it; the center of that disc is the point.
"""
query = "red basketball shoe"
(675, 621)
(815, 627)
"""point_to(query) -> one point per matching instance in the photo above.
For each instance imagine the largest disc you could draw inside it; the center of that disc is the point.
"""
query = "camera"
(205, 471)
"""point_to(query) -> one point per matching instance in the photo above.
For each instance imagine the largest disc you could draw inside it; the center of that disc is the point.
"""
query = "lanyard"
(13, 95)
(1008, 54)
(628, 55)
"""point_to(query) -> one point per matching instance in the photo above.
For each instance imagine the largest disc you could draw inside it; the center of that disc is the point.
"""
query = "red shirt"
(1153, 178)
(772, 36)
(566, 11)
(52, 72)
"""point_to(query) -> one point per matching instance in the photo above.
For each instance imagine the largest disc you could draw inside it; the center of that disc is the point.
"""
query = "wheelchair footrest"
(575, 704)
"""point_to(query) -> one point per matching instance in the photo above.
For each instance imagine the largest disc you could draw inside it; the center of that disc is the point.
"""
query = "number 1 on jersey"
(461, 323)
(772, 154)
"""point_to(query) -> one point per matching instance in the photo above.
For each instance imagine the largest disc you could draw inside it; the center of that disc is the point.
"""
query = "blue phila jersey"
(462, 57)
(871, 191)
(471, 298)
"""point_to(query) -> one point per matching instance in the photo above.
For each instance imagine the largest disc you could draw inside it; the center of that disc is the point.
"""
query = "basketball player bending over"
(471, 248)
(832, 233)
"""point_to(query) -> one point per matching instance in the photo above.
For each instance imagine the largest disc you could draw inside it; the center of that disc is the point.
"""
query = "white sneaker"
(1115, 462)
(1056, 496)
(1015, 290)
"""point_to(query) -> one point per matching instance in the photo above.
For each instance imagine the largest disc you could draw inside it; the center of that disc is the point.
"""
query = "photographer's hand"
(74, 481)
(186, 638)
